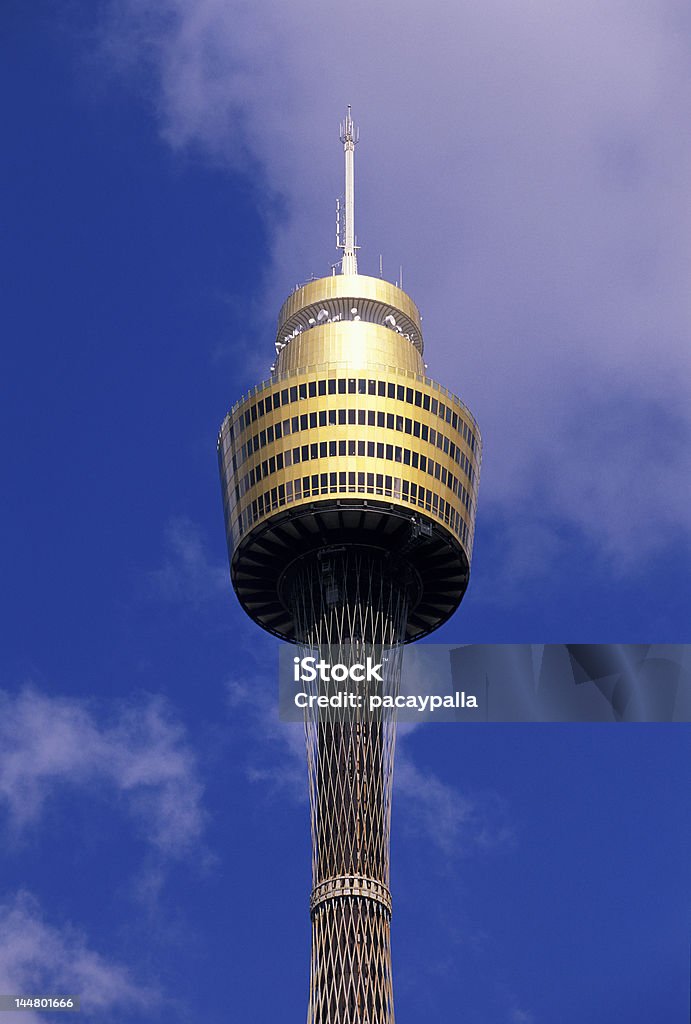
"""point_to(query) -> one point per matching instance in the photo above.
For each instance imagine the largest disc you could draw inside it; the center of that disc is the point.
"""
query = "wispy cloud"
(138, 752)
(521, 1017)
(37, 957)
(455, 822)
(187, 573)
(541, 211)
(281, 764)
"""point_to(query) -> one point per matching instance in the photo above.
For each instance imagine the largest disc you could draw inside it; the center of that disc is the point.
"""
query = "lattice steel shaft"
(350, 606)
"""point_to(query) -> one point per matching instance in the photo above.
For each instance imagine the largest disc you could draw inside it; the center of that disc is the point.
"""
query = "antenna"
(350, 137)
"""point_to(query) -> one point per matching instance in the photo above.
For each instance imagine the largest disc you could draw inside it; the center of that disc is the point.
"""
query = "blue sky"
(168, 175)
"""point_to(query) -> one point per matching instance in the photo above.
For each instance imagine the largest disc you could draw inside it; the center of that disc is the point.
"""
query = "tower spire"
(350, 136)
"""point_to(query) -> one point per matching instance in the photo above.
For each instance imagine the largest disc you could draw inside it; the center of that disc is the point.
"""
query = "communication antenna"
(350, 136)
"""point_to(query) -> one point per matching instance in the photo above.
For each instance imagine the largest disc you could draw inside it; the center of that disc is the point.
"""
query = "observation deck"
(350, 444)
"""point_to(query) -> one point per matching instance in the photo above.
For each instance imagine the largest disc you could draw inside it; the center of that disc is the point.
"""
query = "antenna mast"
(350, 136)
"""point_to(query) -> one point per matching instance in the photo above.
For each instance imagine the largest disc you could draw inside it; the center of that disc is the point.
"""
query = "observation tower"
(349, 483)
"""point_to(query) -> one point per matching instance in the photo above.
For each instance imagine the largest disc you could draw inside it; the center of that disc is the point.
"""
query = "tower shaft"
(350, 605)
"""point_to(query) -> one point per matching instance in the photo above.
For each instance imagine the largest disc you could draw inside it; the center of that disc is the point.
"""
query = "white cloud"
(521, 1017)
(454, 822)
(36, 957)
(48, 744)
(282, 761)
(529, 165)
(187, 574)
